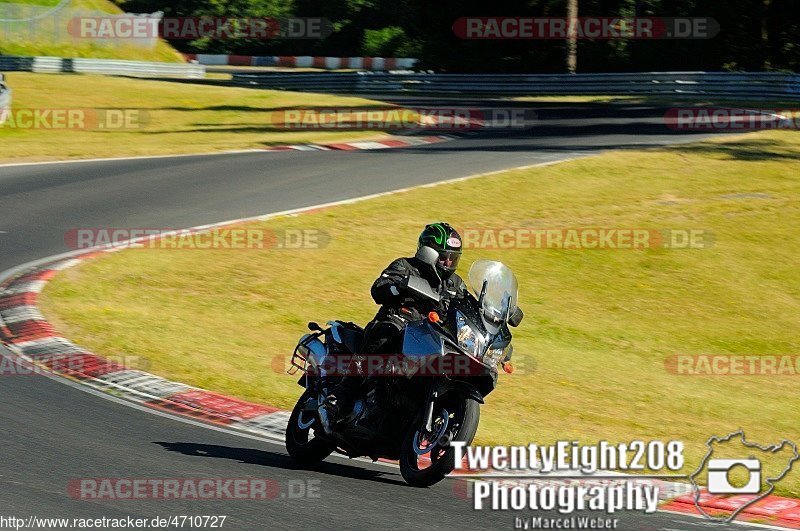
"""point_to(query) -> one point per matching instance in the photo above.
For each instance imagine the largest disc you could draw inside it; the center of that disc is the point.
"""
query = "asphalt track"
(52, 433)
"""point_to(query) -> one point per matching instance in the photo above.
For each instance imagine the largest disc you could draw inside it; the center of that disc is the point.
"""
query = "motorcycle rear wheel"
(460, 419)
(300, 444)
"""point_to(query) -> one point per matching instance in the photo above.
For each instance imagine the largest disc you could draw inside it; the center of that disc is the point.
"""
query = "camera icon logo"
(719, 481)
(748, 480)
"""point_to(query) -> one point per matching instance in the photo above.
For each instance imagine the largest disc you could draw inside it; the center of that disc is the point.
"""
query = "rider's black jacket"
(388, 290)
(399, 305)
(383, 333)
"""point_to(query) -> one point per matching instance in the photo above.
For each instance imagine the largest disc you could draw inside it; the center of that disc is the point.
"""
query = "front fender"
(463, 388)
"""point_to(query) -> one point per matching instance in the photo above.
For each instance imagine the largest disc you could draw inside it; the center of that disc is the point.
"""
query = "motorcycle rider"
(397, 304)
(383, 335)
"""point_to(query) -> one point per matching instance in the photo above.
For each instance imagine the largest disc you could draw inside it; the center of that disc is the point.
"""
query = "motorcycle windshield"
(500, 298)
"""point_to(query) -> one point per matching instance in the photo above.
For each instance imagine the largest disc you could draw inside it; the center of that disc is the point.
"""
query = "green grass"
(51, 37)
(176, 117)
(600, 324)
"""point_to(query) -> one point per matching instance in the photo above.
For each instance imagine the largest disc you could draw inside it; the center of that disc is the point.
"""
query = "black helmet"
(447, 242)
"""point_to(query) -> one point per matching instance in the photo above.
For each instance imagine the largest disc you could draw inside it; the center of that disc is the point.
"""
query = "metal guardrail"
(112, 67)
(5, 100)
(719, 84)
(307, 61)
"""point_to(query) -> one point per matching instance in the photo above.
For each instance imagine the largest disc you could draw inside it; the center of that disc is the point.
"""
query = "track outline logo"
(774, 448)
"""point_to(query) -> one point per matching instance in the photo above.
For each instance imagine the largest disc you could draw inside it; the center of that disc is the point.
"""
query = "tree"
(755, 34)
(572, 43)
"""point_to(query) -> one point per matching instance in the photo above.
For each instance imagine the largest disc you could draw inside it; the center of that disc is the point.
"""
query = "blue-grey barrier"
(755, 85)
(101, 66)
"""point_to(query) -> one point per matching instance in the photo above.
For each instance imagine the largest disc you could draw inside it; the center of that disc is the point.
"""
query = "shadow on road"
(276, 460)
(753, 150)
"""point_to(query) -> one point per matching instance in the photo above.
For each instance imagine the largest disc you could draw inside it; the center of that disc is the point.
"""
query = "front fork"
(434, 394)
(429, 410)
(436, 391)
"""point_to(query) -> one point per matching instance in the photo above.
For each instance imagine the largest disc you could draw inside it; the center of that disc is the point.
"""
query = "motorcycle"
(432, 389)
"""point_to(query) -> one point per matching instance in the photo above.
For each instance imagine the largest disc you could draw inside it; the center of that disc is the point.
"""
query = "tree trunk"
(572, 37)
(765, 44)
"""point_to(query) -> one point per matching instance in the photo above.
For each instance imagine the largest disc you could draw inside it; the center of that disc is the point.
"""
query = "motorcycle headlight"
(468, 338)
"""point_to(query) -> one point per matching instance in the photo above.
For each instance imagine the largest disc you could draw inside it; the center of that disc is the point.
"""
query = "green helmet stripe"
(443, 234)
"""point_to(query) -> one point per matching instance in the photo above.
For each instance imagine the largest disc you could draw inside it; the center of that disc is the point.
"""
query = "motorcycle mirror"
(508, 310)
(427, 255)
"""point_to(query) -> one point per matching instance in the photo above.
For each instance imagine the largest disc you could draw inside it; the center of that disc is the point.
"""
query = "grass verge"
(600, 323)
(170, 117)
(49, 37)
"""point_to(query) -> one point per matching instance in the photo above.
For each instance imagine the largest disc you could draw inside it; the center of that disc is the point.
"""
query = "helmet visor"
(448, 260)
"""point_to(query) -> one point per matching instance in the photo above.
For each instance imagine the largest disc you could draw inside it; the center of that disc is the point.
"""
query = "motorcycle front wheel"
(301, 443)
(426, 457)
